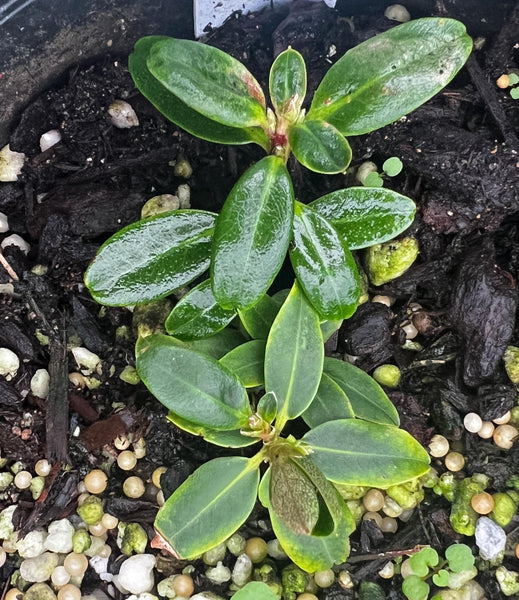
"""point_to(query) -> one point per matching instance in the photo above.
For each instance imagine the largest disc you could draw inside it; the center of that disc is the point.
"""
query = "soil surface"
(461, 166)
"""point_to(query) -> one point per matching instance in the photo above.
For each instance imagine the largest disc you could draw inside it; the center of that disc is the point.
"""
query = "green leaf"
(368, 400)
(391, 74)
(255, 590)
(252, 234)
(294, 356)
(180, 113)
(328, 328)
(209, 506)
(192, 385)
(513, 78)
(219, 344)
(421, 561)
(366, 216)
(246, 362)
(267, 407)
(314, 552)
(151, 258)
(514, 93)
(441, 579)
(353, 452)
(198, 315)
(330, 403)
(209, 81)
(460, 558)
(258, 319)
(287, 83)
(323, 264)
(414, 588)
(392, 166)
(319, 146)
(227, 439)
(373, 180)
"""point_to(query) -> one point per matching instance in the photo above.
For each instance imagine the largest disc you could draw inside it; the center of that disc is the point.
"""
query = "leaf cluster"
(240, 393)
(427, 564)
(213, 96)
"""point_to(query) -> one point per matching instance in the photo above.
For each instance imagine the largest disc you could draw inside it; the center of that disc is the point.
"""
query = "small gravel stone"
(16, 240)
(39, 568)
(40, 383)
(218, 574)
(242, 570)
(9, 363)
(32, 544)
(122, 115)
(60, 536)
(6, 522)
(490, 538)
(4, 223)
(136, 574)
(39, 591)
(100, 566)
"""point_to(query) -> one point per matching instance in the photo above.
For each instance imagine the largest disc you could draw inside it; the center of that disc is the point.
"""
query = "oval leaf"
(247, 362)
(209, 81)
(252, 234)
(319, 146)
(314, 552)
(267, 407)
(330, 403)
(366, 216)
(324, 266)
(367, 399)
(294, 356)
(328, 328)
(354, 452)
(258, 319)
(180, 113)
(209, 506)
(192, 385)
(226, 439)
(288, 83)
(151, 258)
(391, 74)
(198, 315)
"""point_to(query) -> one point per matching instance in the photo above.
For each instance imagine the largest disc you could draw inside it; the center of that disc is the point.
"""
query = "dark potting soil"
(461, 166)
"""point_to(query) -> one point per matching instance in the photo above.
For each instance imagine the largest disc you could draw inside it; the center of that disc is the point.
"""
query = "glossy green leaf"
(267, 407)
(192, 385)
(219, 344)
(255, 590)
(151, 258)
(328, 328)
(391, 74)
(313, 552)
(354, 452)
(179, 112)
(198, 315)
(227, 439)
(330, 403)
(294, 356)
(258, 319)
(246, 362)
(209, 506)
(319, 146)
(366, 216)
(208, 80)
(324, 266)
(287, 83)
(280, 296)
(367, 398)
(252, 234)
